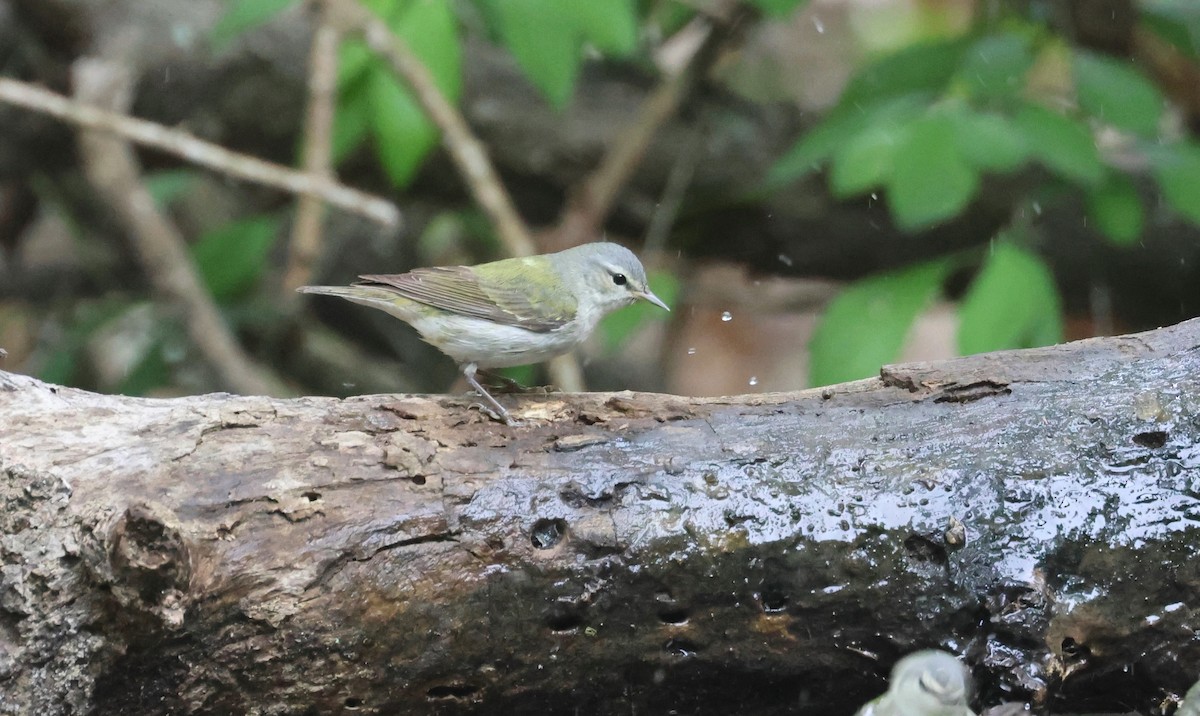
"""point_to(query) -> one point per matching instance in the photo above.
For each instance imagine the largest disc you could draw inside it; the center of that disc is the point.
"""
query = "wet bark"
(1033, 510)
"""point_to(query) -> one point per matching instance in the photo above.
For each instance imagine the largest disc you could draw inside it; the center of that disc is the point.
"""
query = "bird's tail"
(373, 296)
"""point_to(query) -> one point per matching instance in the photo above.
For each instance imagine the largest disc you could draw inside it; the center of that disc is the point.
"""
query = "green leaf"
(618, 326)
(611, 25)
(61, 366)
(930, 180)
(843, 124)
(354, 61)
(989, 142)
(1177, 168)
(866, 161)
(167, 186)
(924, 67)
(1012, 303)
(403, 134)
(431, 30)
(778, 8)
(1116, 209)
(232, 258)
(387, 10)
(1175, 21)
(543, 36)
(352, 119)
(242, 16)
(996, 65)
(1113, 91)
(1062, 144)
(865, 326)
(151, 372)
(525, 375)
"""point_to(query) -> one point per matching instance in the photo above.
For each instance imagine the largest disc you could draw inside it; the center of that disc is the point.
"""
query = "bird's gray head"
(930, 683)
(606, 275)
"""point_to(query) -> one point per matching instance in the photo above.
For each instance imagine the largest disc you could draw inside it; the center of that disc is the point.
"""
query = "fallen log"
(1034, 511)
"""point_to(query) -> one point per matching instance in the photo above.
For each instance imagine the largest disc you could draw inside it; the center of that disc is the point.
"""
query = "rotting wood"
(765, 553)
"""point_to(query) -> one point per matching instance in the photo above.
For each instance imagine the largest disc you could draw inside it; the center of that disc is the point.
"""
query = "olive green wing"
(511, 292)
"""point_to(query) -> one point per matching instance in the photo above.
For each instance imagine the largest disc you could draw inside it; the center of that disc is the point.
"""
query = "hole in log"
(773, 600)
(311, 496)
(681, 648)
(1073, 651)
(451, 691)
(564, 617)
(1151, 438)
(923, 549)
(675, 615)
(353, 702)
(547, 533)
(418, 479)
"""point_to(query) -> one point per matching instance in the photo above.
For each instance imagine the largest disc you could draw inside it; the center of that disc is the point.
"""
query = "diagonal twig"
(591, 201)
(109, 163)
(305, 243)
(197, 151)
(467, 152)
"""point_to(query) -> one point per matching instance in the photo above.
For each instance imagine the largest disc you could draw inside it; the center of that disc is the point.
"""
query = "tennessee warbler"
(925, 683)
(508, 312)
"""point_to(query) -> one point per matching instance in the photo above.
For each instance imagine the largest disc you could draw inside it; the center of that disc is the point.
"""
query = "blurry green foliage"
(1117, 209)
(547, 37)
(380, 105)
(777, 8)
(865, 326)
(1176, 21)
(1012, 303)
(167, 186)
(923, 126)
(231, 259)
(244, 15)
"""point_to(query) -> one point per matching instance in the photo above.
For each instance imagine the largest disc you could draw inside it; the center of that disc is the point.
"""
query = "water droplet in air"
(785, 259)
(754, 380)
(819, 25)
(726, 316)
(691, 351)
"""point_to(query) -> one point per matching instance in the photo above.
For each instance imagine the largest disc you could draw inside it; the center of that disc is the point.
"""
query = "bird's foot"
(502, 416)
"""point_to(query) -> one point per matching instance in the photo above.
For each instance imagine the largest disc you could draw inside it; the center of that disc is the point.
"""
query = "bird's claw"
(499, 417)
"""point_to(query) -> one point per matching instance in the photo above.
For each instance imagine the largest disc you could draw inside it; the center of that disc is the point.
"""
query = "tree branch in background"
(114, 174)
(197, 151)
(591, 201)
(467, 152)
(305, 244)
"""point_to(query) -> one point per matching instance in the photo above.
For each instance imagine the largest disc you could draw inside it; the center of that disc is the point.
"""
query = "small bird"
(508, 312)
(925, 683)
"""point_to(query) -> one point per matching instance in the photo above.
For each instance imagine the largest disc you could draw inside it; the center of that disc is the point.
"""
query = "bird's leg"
(493, 406)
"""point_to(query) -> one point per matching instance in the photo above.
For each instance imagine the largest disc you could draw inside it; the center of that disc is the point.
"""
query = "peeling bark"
(1035, 511)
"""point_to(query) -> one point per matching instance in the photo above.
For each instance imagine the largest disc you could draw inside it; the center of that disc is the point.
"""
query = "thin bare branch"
(305, 244)
(592, 200)
(467, 152)
(109, 163)
(196, 150)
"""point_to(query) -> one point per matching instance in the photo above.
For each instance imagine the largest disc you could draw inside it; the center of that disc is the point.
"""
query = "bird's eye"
(619, 279)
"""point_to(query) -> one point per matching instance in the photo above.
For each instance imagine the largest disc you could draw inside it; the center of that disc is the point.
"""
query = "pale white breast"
(490, 345)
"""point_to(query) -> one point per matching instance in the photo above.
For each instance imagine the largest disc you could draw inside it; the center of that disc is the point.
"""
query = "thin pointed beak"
(648, 295)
